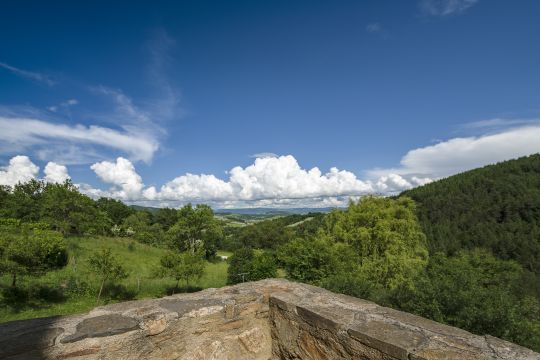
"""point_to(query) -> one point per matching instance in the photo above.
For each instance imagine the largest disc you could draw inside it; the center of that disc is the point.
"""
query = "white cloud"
(445, 7)
(282, 182)
(127, 183)
(65, 105)
(21, 134)
(464, 153)
(55, 173)
(20, 169)
(498, 124)
(29, 74)
(268, 178)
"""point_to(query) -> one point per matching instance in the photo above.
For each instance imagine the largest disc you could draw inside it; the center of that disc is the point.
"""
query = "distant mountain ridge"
(252, 211)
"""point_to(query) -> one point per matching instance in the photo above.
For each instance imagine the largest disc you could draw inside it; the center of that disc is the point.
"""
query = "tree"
(107, 267)
(116, 210)
(239, 263)
(495, 207)
(311, 260)
(268, 234)
(386, 236)
(196, 226)
(263, 266)
(31, 252)
(476, 292)
(248, 265)
(183, 266)
(166, 217)
(70, 212)
(24, 201)
(139, 225)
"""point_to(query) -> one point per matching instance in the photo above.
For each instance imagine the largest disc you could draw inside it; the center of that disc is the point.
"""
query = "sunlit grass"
(54, 293)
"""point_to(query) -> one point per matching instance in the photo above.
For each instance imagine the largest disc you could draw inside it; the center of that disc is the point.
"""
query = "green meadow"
(73, 289)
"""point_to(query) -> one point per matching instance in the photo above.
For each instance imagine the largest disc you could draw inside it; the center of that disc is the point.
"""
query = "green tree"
(24, 201)
(240, 263)
(386, 236)
(139, 225)
(31, 252)
(311, 260)
(476, 292)
(196, 226)
(107, 267)
(183, 266)
(248, 265)
(263, 266)
(116, 210)
(495, 207)
(268, 234)
(166, 217)
(70, 212)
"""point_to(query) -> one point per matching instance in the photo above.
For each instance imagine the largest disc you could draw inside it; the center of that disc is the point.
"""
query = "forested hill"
(495, 207)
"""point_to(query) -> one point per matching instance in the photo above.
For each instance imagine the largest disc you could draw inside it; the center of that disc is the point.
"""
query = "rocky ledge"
(269, 319)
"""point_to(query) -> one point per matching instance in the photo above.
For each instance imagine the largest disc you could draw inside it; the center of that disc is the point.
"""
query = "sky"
(279, 103)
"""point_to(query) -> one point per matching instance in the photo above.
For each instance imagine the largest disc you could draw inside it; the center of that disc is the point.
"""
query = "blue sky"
(128, 99)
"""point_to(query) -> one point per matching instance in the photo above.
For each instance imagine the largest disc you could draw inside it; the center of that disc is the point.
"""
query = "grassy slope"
(139, 259)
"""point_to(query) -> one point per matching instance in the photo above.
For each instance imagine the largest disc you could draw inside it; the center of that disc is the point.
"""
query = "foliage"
(385, 235)
(311, 260)
(263, 266)
(72, 288)
(31, 252)
(240, 263)
(268, 234)
(183, 266)
(61, 206)
(196, 226)
(115, 210)
(70, 212)
(477, 292)
(249, 265)
(139, 225)
(166, 217)
(107, 267)
(496, 207)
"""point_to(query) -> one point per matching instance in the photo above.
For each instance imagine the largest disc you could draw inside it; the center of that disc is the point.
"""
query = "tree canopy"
(496, 207)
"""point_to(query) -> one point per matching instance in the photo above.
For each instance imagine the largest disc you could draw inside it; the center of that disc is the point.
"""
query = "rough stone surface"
(269, 319)
(104, 325)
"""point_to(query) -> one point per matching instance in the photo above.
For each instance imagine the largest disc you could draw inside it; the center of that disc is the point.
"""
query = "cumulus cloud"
(464, 153)
(276, 181)
(127, 183)
(24, 133)
(55, 173)
(281, 181)
(267, 178)
(20, 169)
(39, 77)
(445, 7)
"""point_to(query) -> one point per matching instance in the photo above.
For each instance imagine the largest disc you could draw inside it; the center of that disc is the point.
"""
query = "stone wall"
(270, 319)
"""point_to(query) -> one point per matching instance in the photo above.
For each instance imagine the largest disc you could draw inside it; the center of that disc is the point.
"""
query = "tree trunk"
(14, 281)
(100, 290)
(176, 286)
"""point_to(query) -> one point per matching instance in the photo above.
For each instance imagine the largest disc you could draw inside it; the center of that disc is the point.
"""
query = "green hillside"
(73, 288)
(495, 207)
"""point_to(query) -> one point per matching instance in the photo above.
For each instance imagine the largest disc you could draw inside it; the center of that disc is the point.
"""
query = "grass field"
(73, 289)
